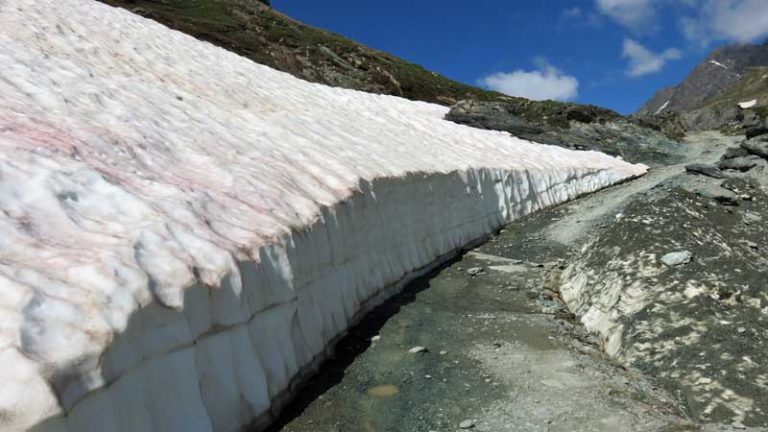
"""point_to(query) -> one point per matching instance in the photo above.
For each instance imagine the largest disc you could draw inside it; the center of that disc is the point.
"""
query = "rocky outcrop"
(184, 233)
(696, 324)
(722, 69)
(570, 125)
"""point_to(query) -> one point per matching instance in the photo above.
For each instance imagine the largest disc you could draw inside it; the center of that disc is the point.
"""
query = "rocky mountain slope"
(581, 127)
(256, 31)
(722, 69)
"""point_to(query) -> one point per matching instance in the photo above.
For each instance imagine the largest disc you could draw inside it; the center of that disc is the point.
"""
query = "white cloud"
(547, 82)
(733, 20)
(637, 15)
(643, 61)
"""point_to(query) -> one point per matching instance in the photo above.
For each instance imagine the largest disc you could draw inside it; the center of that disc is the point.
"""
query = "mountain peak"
(723, 68)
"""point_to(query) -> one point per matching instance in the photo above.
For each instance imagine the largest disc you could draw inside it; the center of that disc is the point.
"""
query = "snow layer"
(717, 63)
(184, 233)
(748, 104)
(662, 108)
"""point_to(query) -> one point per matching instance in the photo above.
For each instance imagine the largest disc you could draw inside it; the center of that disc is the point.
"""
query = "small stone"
(376, 338)
(418, 350)
(677, 258)
(467, 424)
(474, 271)
(751, 244)
(741, 330)
(443, 352)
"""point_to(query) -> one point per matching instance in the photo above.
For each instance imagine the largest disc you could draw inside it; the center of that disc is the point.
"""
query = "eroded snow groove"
(184, 232)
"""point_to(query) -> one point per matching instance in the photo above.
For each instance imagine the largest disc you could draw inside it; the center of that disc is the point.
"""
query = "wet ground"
(486, 343)
(500, 352)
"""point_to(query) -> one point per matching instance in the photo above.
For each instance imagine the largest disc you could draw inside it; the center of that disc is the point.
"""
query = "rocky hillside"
(254, 30)
(581, 127)
(724, 68)
(743, 105)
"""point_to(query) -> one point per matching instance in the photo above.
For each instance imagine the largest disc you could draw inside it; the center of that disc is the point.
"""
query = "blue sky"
(613, 53)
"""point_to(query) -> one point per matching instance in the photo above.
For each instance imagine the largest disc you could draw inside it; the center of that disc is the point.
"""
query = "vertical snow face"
(184, 233)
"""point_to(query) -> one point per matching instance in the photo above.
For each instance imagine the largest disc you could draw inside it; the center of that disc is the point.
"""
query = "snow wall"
(184, 233)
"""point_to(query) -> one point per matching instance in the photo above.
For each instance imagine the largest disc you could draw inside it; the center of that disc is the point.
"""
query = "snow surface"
(748, 104)
(184, 233)
(717, 63)
(661, 108)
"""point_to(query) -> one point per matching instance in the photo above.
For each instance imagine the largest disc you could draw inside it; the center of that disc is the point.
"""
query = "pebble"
(467, 424)
(443, 352)
(376, 338)
(417, 350)
(673, 259)
(474, 271)
(741, 330)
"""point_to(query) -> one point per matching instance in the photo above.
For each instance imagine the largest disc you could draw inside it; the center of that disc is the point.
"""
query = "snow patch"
(184, 233)
(748, 104)
(658, 111)
(717, 63)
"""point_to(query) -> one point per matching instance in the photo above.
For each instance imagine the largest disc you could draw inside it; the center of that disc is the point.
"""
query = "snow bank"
(184, 233)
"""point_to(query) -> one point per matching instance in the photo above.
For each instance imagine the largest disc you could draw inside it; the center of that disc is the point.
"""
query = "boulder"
(756, 131)
(757, 146)
(719, 194)
(742, 164)
(705, 169)
(734, 152)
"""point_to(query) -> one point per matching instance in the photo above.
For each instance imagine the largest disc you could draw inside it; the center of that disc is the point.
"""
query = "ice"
(184, 234)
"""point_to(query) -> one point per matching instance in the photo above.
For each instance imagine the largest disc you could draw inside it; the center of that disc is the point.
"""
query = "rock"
(734, 152)
(443, 352)
(751, 244)
(757, 146)
(376, 338)
(673, 259)
(752, 218)
(756, 131)
(736, 185)
(581, 114)
(418, 350)
(704, 169)
(474, 271)
(492, 115)
(719, 194)
(467, 424)
(742, 164)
